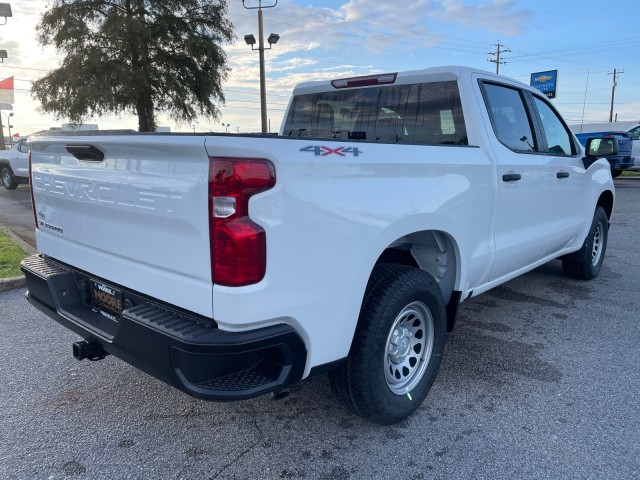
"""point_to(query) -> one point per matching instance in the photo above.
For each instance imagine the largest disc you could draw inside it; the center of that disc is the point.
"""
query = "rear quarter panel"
(330, 217)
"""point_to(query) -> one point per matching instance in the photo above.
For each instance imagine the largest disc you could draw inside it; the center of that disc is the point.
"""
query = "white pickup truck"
(230, 266)
(14, 165)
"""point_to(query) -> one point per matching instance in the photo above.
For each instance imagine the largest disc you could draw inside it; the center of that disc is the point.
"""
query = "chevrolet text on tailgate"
(230, 266)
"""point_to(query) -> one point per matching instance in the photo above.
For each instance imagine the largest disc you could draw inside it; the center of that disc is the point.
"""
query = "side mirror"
(598, 148)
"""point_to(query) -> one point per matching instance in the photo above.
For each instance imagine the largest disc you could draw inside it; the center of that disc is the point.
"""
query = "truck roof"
(443, 73)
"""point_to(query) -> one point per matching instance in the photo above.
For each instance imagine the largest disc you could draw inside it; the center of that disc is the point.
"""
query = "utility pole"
(613, 90)
(497, 55)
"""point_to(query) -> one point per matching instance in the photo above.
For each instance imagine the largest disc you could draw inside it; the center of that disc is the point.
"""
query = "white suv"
(635, 149)
(14, 165)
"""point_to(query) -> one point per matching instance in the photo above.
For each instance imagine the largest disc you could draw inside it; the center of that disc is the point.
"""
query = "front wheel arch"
(606, 202)
(586, 263)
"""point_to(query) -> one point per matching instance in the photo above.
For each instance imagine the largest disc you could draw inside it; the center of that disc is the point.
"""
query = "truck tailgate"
(137, 218)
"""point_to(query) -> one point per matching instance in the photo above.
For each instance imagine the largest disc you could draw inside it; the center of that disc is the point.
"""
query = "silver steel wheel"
(408, 348)
(6, 178)
(596, 249)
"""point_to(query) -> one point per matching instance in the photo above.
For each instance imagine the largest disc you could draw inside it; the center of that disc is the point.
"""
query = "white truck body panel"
(365, 198)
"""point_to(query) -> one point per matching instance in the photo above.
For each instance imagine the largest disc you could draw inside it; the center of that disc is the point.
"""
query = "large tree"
(140, 56)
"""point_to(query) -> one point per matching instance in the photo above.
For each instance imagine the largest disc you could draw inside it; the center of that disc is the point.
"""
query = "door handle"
(86, 153)
(511, 177)
(562, 174)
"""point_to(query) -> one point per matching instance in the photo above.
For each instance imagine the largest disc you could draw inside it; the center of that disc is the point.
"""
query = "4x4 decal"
(320, 151)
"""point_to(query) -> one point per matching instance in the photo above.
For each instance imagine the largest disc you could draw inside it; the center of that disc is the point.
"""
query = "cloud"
(292, 64)
(500, 16)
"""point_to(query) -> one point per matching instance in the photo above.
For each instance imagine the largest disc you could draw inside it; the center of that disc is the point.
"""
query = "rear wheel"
(586, 263)
(397, 347)
(8, 180)
(615, 173)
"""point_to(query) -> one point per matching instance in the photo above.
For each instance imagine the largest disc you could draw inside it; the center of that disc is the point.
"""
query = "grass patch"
(10, 256)
(627, 173)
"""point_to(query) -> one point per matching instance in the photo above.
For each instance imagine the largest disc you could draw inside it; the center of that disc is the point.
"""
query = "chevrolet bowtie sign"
(546, 82)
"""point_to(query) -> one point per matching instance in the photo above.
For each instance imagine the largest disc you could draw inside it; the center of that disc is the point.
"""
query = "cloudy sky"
(322, 39)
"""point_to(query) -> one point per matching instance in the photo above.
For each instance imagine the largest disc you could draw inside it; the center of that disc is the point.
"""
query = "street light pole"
(9, 115)
(250, 39)
(263, 81)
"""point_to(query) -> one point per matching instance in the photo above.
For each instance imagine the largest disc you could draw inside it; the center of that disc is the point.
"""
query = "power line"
(609, 44)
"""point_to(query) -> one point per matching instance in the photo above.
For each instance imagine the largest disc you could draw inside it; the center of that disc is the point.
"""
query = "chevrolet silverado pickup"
(229, 266)
(14, 165)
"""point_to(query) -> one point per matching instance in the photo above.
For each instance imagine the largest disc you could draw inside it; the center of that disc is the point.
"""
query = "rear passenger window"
(558, 139)
(511, 123)
(427, 113)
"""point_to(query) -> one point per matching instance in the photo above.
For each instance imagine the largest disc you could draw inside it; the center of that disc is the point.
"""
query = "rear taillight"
(33, 202)
(238, 245)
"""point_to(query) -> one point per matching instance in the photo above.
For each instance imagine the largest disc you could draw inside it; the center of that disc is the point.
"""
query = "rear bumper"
(182, 349)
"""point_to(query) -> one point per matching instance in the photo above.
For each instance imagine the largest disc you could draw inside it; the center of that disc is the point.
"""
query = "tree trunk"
(144, 108)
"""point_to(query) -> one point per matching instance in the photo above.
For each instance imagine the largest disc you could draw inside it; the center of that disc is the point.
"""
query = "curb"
(15, 282)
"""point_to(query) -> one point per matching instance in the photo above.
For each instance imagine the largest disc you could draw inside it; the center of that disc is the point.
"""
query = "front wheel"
(586, 263)
(397, 347)
(8, 180)
(615, 173)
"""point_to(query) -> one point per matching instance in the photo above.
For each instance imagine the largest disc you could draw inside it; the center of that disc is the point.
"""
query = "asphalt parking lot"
(540, 380)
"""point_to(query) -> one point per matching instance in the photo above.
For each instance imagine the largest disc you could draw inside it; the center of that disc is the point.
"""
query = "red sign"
(6, 90)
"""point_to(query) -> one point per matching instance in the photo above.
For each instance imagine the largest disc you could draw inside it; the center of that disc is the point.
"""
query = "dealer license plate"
(107, 298)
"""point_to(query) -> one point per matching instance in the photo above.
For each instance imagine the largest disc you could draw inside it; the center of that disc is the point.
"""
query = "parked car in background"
(623, 160)
(635, 148)
(623, 132)
(14, 165)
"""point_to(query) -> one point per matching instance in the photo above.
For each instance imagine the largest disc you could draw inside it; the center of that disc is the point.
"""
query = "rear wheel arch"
(433, 251)
(397, 347)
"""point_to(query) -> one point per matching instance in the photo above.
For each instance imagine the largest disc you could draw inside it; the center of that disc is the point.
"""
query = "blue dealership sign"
(546, 82)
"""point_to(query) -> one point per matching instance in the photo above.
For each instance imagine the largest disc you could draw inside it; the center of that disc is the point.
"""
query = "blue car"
(623, 160)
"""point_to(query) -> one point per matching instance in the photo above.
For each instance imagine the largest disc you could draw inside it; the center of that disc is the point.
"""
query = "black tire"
(387, 377)
(615, 173)
(8, 180)
(586, 263)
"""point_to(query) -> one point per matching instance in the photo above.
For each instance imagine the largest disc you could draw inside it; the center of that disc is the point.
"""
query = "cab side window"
(558, 139)
(24, 146)
(509, 117)
(635, 133)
